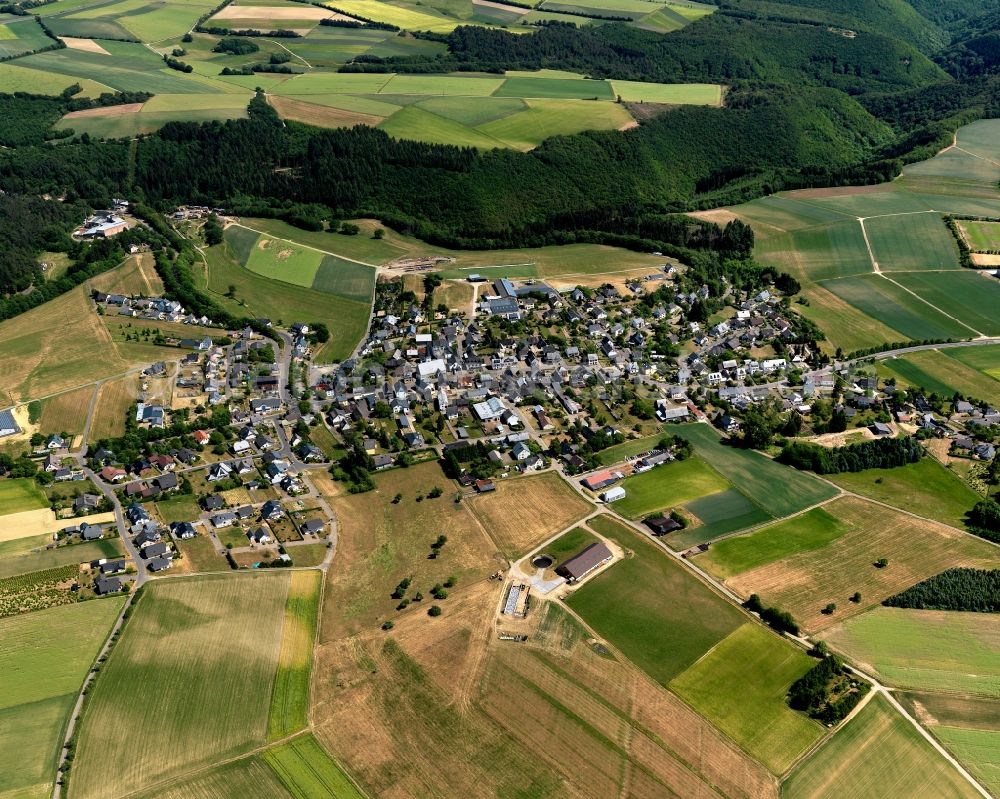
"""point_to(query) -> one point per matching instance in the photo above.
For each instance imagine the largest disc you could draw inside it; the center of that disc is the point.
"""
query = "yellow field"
(67, 413)
(35, 522)
(524, 511)
(114, 399)
(61, 344)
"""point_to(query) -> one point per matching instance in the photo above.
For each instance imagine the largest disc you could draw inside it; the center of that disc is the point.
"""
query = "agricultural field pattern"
(537, 399)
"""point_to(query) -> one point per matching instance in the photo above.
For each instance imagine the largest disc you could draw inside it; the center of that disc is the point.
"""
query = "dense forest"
(721, 48)
(974, 590)
(879, 453)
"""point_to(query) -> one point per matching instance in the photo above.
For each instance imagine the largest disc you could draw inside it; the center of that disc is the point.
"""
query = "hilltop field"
(878, 263)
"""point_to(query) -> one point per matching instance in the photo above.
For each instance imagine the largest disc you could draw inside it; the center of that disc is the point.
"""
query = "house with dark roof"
(107, 585)
(662, 525)
(155, 550)
(313, 527)
(159, 564)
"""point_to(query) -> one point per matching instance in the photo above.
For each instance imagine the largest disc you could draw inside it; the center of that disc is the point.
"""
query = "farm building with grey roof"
(584, 562)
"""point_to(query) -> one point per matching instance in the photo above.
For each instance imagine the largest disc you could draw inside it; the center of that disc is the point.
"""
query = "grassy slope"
(878, 755)
(61, 556)
(741, 686)
(263, 297)
(926, 649)
(925, 488)
(44, 657)
(626, 605)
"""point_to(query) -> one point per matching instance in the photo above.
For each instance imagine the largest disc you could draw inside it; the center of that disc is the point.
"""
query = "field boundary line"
(294, 55)
(722, 734)
(868, 244)
(978, 333)
(887, 693)
(300, 244)
(976, 155)
(814, 204)
(224, 762)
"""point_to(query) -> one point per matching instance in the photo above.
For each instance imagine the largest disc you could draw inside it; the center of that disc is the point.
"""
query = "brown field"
(380, 543)
(804, 583)
(524, 511)
(87, 45)
(454, 294)
(135, 276)
(320, 115)
(267, 13)
(718, 215)
(114, 399)
(106, 111)
(656, 741)
(414, 282)
(985, 259)
(66, 412)
(441, 708)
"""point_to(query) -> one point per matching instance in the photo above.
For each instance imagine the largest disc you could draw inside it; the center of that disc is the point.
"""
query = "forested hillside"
(819, 93)
(767, 136)
(718, 48)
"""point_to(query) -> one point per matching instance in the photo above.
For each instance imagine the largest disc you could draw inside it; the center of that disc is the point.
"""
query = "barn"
(584, 562)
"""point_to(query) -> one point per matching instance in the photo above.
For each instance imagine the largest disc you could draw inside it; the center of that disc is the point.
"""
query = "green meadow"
(625, 604)
(44, 657)
(878, 755)
(569, 544)
(925, 488)
(777, 489)
(985, 359)
(21, 495)
(811, 530)
(925, 649)
(669, 485)
(210, 647)
(741, 685)
(981, 236)
(261, 296)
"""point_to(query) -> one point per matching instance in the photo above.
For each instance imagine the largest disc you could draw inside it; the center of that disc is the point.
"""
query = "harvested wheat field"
(609, 730)
(35, 522)
(66, 413)
(322, 116)
(106, 111)
(804, 583)
(524, 511)
(59, 345)
(114, 398)
(271, 13)
(87, 45)
(399, 733)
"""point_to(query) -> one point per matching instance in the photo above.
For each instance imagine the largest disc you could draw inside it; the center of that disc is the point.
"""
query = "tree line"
(974, 590)
(879, 453)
